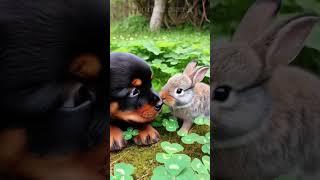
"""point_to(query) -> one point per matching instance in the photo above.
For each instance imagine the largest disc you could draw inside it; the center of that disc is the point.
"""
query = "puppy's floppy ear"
(283, 41)
(86, 66)
(256, 20)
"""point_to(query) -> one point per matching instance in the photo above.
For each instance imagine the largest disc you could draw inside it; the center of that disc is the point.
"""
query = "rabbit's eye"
(221, 93)
(134, 92)
(179, 91)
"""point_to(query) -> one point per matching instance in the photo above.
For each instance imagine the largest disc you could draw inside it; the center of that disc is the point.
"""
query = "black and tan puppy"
(132, 100)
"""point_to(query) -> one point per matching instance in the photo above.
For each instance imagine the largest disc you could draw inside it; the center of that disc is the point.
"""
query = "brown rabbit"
(187, 96)
(266, 114)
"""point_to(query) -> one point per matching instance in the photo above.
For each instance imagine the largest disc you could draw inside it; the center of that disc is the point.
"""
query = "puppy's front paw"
(147, 136)
(116, 139)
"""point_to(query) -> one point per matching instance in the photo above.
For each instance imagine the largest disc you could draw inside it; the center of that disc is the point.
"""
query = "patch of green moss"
(143, 157)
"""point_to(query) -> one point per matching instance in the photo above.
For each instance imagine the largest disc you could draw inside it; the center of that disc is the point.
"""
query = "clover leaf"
(157, 123)
(190, 138)
(171, 124)
(202, 176)
(171, 148)
(160, 172)
(198, 166)
(182, 133)
(130, 133)
(177, 168)
(206, 162)
(163, 157)
(187, 173)
(122, 171)
(203, 140)
(174, 166)
(201, 120)
(206, 148)
(208, 135)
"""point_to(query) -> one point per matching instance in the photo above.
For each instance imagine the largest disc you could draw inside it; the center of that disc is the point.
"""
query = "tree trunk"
(157, 14)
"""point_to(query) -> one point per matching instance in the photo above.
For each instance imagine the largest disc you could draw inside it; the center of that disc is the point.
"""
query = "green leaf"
(150, 46)
(198, 166)
(129, 133)
(182, 133)
(157, 123)
(202, 140)
(174, 166)
(182, 158)
(190, 138)
(201, 120)
(206, 148)
(171, 148)
(206, 162)
(135, 132)
(126, 177)
(127, 136)
(171, 125)
(165, 44)
(208, 135)
(165, 122)
(163, 157)
(187, 174)
(162, 177)
(160, 170)
(123, 169)
(202, 176)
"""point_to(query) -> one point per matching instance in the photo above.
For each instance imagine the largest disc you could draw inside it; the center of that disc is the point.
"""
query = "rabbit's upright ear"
(256, 20)
(199, 75)
(190, 68)
(283, 42)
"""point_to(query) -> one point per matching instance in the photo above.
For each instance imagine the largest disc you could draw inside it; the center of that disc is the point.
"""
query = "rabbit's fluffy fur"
(194, 99)
(266, 114)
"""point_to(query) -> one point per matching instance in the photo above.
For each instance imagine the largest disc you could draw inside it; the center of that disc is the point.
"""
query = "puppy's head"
(132, 97)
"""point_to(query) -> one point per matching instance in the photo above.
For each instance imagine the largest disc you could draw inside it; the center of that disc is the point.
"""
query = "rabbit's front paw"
(147, 136)
(116, 139)
(186, 126)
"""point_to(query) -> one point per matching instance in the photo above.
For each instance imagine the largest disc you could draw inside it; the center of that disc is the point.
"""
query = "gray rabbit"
(187, 96)
(266, 114)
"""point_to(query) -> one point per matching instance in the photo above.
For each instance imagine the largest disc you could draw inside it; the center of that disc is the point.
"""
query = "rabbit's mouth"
(167, 98)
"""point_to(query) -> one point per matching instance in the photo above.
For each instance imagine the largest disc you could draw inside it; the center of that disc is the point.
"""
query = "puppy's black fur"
(132, 99)
(39, 41)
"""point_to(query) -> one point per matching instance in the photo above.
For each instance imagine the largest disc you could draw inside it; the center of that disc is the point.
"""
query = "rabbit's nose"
(162, 96)
(158, 106)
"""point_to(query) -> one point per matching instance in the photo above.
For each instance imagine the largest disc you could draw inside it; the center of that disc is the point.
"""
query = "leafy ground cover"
(167, 52)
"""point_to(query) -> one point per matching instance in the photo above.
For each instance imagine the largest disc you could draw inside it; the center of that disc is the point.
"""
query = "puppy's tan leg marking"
(147, 136)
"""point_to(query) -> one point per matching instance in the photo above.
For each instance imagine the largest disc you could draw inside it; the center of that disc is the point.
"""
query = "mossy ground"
(143, 158)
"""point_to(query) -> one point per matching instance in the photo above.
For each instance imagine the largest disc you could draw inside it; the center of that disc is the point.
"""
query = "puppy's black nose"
(158, 106)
